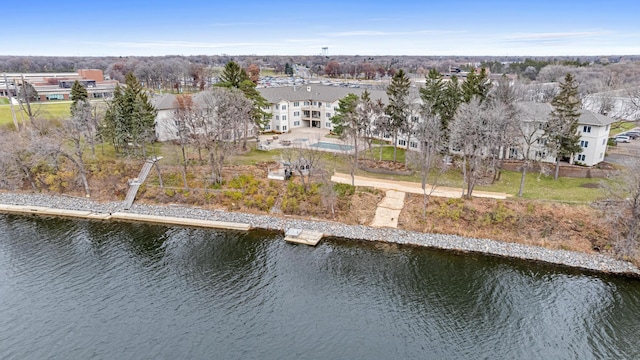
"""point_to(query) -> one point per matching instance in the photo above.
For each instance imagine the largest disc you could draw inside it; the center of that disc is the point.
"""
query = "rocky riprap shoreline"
(593, 262)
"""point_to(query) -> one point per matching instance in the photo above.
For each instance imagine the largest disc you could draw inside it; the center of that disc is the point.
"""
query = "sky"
(248, 27)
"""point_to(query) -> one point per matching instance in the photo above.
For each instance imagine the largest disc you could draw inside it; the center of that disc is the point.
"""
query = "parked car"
(632, 134)
(622, 139)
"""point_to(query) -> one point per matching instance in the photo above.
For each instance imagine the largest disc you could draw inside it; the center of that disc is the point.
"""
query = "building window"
(601, 155)
(296, 103)
(277, 127)
(277, 106)
(284, 117)
(306, 103)
(284, 128)
(604, 141)
(586, 129)
(296, 113)
(296, 123)
(584, 143)
(328, 115)
(415, 119)
(327, 124)
(267, 127)
(607, 128)
(277, 117)
(284, 107)
(402, 142)
(581, 157)
(413, 144)
(319, 104)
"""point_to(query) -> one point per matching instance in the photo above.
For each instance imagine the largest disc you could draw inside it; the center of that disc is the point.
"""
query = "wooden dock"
(305, 237)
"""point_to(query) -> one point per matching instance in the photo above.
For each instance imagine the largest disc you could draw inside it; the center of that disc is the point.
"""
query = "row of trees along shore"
(479, 121)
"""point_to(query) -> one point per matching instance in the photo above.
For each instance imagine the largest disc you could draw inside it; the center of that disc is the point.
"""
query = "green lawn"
(4, 101)
(48, 110)
(621, 126)
(546, 188)
(539, 187)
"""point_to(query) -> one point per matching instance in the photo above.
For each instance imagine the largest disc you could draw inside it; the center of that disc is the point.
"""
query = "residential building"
(312, 106)
(593, 129)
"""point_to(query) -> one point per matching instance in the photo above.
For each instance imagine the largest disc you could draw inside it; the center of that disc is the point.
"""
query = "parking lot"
(620, 153)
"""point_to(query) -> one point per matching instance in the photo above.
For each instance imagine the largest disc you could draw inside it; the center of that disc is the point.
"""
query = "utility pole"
(13, 112)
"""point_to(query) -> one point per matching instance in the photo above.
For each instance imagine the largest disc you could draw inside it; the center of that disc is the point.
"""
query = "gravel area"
(593, 262)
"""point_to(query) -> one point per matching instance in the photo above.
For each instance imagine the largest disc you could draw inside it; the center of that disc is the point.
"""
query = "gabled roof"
(590, 118)
(164, 102)
(315, 93)
(533, 111)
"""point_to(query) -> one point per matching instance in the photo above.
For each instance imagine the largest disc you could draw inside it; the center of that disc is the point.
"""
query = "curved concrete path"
(411, 187)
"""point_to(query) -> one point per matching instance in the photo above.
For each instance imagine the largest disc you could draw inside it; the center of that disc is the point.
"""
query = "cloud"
(553, 37)
(389, 33)
(182, 44)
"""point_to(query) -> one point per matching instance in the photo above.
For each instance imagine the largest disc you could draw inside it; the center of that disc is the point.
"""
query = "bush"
(344, 189)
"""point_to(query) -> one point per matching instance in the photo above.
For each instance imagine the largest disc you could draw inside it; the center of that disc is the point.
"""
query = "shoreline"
(66, 206)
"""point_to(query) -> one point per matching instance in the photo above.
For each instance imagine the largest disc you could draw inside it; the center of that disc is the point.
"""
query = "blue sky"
(399, 27)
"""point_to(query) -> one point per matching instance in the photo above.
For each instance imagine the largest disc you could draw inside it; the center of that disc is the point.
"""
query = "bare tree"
(20, 153)
(473, 132)
(529, 127)
(306, 162)
(621, 210)
(428, 157)
(223, 109)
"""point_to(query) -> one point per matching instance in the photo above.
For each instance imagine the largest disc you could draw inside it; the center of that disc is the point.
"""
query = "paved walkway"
(389, 209)
(411, 187)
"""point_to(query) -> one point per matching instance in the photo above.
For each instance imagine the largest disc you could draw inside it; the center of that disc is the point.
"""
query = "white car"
(622, 139)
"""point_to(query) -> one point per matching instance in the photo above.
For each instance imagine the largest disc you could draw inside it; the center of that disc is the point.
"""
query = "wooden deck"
(305, 237)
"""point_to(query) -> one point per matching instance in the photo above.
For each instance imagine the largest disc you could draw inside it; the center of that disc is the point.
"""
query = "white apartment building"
(312, 106)
(593, 129)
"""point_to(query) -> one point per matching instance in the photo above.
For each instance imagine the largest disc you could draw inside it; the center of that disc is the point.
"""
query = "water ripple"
(74, 289)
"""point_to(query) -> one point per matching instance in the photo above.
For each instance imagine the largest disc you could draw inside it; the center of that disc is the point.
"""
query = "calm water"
(90, 290)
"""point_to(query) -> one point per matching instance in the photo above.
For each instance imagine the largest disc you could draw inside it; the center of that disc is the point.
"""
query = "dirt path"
(411, 187)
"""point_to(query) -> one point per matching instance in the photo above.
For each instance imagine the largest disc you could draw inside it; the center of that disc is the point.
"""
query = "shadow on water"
(110, 290)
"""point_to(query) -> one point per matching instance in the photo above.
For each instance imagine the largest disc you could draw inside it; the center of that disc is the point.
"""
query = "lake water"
(74, 289)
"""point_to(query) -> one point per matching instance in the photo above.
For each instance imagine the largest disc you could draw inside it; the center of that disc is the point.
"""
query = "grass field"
(49, 110)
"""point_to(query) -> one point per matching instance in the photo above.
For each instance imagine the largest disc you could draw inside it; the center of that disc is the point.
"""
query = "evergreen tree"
(476, 85)
(562, 128)
(78, 94)
(130, 117)
(288, 69)
(397, 109)
(233, 75)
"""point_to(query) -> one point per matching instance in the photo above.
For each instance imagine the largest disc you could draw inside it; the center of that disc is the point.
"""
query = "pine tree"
(78, 94)
(397, 109)
(130, 117)
(476, 85)
(233, 75)
(562, 127)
